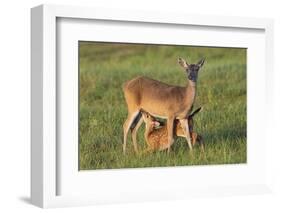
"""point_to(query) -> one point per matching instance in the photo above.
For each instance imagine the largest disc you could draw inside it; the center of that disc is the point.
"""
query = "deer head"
(149, 120)
(191, 69)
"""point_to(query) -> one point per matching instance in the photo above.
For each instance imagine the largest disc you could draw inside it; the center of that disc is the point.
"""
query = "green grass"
(221, 90)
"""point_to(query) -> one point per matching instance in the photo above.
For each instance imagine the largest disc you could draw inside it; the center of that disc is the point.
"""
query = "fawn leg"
(134, 134)
(184, 125)
(170, 128)
(126, 127)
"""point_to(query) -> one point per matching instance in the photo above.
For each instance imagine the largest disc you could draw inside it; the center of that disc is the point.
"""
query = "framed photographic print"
(129, 106)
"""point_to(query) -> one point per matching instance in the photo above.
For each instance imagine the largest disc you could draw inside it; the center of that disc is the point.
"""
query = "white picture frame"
(44, 153)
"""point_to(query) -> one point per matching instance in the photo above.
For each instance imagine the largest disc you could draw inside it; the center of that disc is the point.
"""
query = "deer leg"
(170, 128)
(134, 134)
(126, 127)
(184, 125)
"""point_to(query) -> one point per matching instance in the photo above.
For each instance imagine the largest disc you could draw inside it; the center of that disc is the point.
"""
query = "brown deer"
(160, 100)
(156, 135)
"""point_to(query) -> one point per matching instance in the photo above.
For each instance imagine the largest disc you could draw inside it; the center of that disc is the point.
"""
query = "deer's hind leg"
(126, 127)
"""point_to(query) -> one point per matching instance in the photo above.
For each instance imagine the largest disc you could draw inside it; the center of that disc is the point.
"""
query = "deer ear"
(182, 63)
(201, 62)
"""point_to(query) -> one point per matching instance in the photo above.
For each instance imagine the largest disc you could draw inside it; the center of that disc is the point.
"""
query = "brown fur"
(146, 93)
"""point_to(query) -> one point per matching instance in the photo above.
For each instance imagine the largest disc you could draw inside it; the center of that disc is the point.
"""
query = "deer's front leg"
(184, 125)
(170, 128)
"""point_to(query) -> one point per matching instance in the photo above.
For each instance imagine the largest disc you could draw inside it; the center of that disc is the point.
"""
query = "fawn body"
(160, 100)
(157, 138)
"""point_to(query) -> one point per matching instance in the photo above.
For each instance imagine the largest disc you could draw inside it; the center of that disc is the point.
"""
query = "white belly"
(160, 116)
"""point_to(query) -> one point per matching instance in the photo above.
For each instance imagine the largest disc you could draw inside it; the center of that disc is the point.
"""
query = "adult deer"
(160, 100)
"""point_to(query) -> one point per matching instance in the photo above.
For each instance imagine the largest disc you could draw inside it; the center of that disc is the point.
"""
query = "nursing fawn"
(156, 136)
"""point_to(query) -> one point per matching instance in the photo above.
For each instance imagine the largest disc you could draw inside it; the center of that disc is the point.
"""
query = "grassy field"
(221, 91)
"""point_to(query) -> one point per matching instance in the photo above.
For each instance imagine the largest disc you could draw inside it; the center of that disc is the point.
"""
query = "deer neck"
(190, 93)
